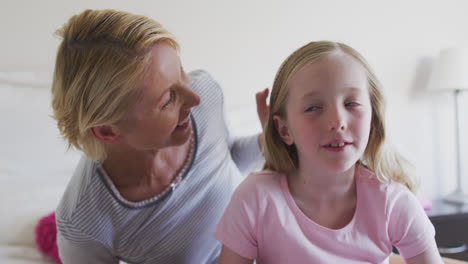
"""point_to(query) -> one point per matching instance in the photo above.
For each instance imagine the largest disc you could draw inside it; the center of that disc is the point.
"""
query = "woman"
(159, 165)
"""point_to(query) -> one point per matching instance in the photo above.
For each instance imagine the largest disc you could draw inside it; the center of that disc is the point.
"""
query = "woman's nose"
(190, 98)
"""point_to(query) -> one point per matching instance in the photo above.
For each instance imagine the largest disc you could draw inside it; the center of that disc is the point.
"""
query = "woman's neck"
(140, 175)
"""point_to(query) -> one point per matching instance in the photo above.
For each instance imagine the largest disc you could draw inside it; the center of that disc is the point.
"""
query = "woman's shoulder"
(199, 74)
(204, 84)
(78, 188)
(82, 188)
(211, 97)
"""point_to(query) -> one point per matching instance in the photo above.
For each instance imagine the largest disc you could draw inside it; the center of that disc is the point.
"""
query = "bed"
(35, 165)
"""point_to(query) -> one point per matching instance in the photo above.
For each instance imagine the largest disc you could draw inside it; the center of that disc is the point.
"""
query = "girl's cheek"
(364, 113)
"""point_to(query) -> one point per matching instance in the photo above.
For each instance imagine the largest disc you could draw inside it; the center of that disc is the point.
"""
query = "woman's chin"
(182, 134)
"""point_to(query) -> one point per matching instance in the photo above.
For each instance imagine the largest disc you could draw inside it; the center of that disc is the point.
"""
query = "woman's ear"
(283, 130)
(106, 133)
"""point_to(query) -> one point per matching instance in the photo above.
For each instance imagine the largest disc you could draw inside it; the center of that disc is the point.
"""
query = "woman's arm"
(262, 111)
(230, 257)
(89, 252)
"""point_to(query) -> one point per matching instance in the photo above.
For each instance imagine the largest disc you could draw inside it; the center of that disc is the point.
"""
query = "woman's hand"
(262, 107)
(262, 111)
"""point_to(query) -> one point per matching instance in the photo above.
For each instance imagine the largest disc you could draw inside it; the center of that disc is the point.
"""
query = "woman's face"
(161, 118)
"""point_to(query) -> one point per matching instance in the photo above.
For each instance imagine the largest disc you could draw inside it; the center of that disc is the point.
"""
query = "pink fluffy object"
(46, 237)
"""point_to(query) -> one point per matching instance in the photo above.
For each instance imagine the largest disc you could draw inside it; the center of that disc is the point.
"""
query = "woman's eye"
(170, 100)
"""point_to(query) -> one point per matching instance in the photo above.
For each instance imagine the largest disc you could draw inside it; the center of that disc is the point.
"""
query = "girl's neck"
(322, 186)
(328, 199)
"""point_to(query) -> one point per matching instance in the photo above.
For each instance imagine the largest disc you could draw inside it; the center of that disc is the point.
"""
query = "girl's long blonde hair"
(378, 156)
(100, 61)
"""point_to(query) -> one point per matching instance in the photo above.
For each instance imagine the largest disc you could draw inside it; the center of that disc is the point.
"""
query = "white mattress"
(35, 166)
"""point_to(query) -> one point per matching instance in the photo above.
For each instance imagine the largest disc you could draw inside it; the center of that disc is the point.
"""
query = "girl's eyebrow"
(351, 89)
(310, 94)
(355, 89)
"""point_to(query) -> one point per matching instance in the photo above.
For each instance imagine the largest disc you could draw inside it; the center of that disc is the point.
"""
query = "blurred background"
(242, 43)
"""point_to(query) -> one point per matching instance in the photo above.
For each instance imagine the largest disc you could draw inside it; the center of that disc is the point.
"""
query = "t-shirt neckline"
(309, 224)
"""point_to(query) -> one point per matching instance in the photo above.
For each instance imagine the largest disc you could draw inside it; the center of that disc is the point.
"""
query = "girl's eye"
(351, 104)
(171, 99)
(312, 108)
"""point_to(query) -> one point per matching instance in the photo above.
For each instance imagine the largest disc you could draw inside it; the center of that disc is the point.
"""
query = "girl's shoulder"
(265, 176)
(263, 182)
(369, 183)
(368, 177)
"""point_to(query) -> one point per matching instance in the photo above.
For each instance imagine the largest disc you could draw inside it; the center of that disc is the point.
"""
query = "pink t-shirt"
(263, 222)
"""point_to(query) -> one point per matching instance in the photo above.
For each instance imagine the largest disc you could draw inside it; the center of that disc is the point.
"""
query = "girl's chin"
(340, 167)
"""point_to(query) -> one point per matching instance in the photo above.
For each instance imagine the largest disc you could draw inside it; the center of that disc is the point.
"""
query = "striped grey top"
(95, 226)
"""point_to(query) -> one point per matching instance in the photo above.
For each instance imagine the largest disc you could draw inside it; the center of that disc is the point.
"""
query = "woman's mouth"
(182, 125)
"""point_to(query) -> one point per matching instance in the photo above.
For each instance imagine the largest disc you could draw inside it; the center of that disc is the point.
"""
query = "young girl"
(333, 193)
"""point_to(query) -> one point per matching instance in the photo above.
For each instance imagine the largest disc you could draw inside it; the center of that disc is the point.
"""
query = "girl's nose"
(336, 120)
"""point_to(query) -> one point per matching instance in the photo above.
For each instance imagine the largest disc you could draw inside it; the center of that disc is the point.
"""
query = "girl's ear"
(283, 130)
(106, 133)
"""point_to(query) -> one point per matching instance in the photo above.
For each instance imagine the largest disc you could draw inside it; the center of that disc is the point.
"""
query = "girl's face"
(328, 113)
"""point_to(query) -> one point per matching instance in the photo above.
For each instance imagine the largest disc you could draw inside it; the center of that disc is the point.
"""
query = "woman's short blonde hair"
(100, 61)
(378, 155)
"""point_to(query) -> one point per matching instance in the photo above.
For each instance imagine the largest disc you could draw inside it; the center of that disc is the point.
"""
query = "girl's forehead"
(333, 64)
(335, 70)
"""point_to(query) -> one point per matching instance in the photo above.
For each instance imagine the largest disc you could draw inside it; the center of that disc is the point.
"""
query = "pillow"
(35, 165)
(32, 148)
(29, 79)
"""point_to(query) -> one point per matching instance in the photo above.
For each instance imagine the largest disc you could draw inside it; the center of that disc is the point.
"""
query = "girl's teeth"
(336, 145)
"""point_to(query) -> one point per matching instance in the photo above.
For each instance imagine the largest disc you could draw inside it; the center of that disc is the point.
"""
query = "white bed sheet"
(35, 165)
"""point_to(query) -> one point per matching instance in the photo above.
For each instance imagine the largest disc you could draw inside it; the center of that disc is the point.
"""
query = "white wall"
(242, 43)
